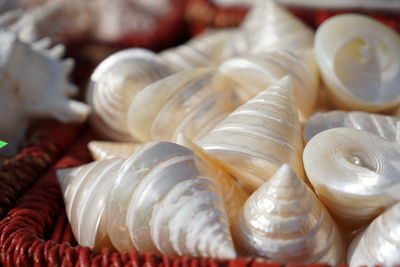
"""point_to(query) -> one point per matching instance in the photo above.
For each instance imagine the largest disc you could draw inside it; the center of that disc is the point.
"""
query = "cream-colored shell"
(106, 150)
(34, 85)
(258, 137)
(379, 244)
(350, 170)
(115, 83)
(382, 125)
(250, 74)
(284, 221)
(185, 102)
(360, 63)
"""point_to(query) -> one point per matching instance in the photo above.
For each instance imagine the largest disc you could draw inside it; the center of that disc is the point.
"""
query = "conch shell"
(361, 68)
(258, 137)
(34, 85)
(379, 245)
(114, 84)
(106, 150)
(250, 74)
(185, 102)
(285, 222)
(350, 170)
(382, 125)
(163, 199)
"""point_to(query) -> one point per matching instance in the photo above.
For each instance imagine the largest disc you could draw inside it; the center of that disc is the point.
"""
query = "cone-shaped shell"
(258, 137)
(359, 61)
(350, 170)
(106, 150)
(379, 244)
(284, 221)
(249, 75)
(165, 199)
(382, 125)
(114, 84)
(185, 103)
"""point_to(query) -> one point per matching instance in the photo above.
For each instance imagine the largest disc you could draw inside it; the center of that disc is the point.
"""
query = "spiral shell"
(248, 75)
(163, 199)
(114, 84)
(106, 150)
(382, 125)
(379, 245)
(185, 102)
(284, 221)
(350, 170)
(258, 137)
(361, 68)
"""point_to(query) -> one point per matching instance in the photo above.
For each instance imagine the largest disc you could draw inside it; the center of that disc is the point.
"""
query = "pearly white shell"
(185, 103)
(379, 244)
(115, 83)
(258, 137)
(285, 222)
(250, 74)
(106, 150)
(360, 63)
(350, 170)
(34, 85)
(382, 125)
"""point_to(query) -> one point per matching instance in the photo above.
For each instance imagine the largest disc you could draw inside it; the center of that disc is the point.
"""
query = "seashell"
(382, 125)
(269, 26)
(361, 68)
(248, 75)
(106, 150)
(258, 137)
(350, 170)
(182, 103)
(285, 222)
(379, 244)
(34, 85)
(113, 85)
(163, 199)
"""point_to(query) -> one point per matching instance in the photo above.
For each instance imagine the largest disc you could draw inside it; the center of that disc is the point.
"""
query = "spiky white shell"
(350, 170)
(185, 102)
(106, 150)
(359, 61)
(115, 83)
(250, 74)
(258, 137)
(285, 222)
(34, 85)
(379, 244)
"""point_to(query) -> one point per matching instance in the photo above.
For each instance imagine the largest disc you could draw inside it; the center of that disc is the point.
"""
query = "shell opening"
(361, 159)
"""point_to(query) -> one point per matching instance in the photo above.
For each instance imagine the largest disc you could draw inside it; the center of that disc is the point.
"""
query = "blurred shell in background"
(106, 150)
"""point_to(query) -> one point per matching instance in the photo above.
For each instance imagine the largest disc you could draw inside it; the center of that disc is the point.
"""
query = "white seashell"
(163, 199)
(113, 85)
(350, 170)
(106, 150)
(379, 245)
(34, 85)
(269, 26)
(248, 75)
(258, 137)
(382, 125)
(285, 222)
(185, 103)
(361, 68)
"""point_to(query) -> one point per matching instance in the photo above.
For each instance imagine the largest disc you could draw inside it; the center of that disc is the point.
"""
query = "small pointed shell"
(382, 125)
(360, 63)
(350, 170)
(106, 150)
(185, 103)
(114, 84)
(284, 221)
(258, 137)
(379, 244)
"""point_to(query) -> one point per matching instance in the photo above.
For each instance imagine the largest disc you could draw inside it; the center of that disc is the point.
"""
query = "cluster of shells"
(228, 146)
